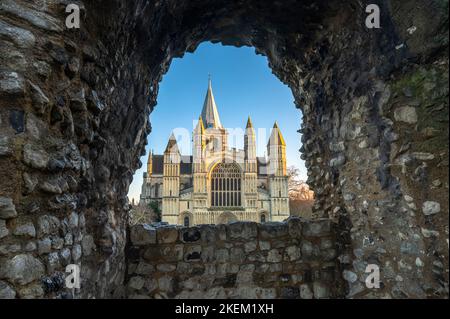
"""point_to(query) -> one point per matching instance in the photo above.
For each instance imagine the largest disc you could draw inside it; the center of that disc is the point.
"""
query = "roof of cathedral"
(158, 164)
(276, 137)
(210, 116)
(186, 165)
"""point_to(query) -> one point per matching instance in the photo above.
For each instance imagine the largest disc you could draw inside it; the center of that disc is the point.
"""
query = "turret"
(171, 182)
(198, 138)
(250, 146)
(250, 191)
(150, 164)
(278, 179)
(276, 149)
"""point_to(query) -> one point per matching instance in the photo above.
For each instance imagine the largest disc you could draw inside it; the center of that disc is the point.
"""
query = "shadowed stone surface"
(276, 273)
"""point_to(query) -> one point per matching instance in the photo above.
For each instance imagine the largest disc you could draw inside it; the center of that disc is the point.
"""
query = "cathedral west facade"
(218, 184)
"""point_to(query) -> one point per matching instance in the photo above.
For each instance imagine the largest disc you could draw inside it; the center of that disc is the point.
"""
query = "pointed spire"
(150, 155)
(150, 163)
(210, 116)
(172, 146)
(276, 137)
(249, 123)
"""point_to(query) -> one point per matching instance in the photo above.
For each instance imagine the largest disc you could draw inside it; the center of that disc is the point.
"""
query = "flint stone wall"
(293, 259)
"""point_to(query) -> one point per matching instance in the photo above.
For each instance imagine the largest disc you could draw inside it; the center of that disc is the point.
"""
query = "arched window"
(263, 218)
(226, 185)
(186, 221)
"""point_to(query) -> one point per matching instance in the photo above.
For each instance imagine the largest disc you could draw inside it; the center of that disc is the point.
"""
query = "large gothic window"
(226, 185)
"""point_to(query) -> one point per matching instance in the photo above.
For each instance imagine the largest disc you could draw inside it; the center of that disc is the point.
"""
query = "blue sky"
(243, 86)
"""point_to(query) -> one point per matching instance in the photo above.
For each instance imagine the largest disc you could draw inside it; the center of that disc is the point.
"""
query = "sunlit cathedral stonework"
(218, 184)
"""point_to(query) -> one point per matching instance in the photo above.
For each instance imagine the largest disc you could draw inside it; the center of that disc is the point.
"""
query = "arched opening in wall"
(186, 221)
(223, 104)
(263, 218)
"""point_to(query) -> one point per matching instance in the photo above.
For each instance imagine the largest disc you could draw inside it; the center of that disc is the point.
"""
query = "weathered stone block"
(264, 245)
(305, 292)
(274, 256)
(406, 114)
(3, 229)
(431, 208)
(272, 230)
(222, 255)
(44, 246)
(290, 292)
(292, 253)
(5, 146)
(242, 230)
(237, 255)
(317, 228)
(142, 235)
(166, 267)
(25, 230)
(47, 225)
(7, 208)
(144, 268)
(11, 83)
(6, 291)
(88, 245)
(167, 234)
(250, 246)
(321, 290)
(35, 156)
(294, 227)
(22, 269)
(136, 282)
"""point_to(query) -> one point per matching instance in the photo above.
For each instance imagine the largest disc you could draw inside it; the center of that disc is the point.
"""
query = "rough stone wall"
(74, 108)
(294, 259)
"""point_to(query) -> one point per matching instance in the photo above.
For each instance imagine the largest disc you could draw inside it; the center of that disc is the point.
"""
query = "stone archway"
(74, 107)
(186, 219)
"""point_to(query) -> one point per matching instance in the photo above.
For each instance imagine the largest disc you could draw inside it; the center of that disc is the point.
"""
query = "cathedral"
(218, 184)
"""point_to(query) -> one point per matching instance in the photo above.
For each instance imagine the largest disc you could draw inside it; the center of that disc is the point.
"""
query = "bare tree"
(145, 214)
(298, 189)
(301, 198)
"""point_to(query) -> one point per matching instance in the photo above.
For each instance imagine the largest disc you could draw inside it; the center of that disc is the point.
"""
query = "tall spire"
(276, 138)
(210, 116)
(249, 123)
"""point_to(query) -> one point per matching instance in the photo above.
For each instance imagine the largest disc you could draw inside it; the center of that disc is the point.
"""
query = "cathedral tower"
(251, 195)
(200, 195)
(171, 182)
(278, 180)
